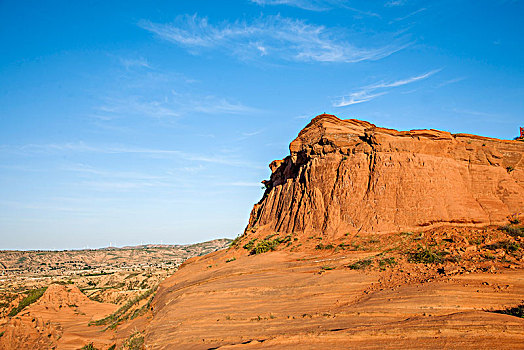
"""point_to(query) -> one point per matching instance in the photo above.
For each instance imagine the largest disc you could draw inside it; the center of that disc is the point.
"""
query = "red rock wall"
(348, 176)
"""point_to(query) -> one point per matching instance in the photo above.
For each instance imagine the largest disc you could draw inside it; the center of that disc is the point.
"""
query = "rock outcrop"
(349, 176)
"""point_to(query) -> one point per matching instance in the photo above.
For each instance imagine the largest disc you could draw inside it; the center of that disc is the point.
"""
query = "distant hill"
(58, 262)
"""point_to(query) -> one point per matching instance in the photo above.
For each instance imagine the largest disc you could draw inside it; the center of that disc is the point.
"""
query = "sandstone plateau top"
(350, 176)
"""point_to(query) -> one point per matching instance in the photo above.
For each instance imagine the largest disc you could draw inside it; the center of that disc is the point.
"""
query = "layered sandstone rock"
(349, 176)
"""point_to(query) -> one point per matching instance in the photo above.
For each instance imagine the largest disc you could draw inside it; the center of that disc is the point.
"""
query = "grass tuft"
(426, 256)
(361, 264)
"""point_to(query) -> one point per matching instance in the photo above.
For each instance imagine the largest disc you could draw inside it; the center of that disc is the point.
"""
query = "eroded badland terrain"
(76, 287)
(365, 238)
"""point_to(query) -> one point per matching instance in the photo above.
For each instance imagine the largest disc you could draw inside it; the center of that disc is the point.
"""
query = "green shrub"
(249, 245)
(321, 246)
(235, 242)
(517, 311)
(327, 268)
(426, 256)
(361, 264)
(134, 342)
(89, 346)
(31, 297)
(509, 169)
(286, 239)
(230, 260)
(387, 262)
(143, 309)
(512, 231)
(265, 246)
(508, 246)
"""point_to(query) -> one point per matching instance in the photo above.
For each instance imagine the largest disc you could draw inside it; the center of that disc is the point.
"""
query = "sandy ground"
(284, 300)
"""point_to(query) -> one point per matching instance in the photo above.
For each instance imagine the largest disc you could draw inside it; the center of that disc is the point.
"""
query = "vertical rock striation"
(349, 176)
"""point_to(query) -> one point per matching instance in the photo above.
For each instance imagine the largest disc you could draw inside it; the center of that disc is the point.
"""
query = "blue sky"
(126, 122)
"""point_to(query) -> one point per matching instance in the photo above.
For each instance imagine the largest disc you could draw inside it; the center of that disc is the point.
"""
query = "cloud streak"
(81, 147)
(275, 36)
(373, 91)
(409, 15)
(314, 5)
(139, 62)
(173, 106)
(394, 3)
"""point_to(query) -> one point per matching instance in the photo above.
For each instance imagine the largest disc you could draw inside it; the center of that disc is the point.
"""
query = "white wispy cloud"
(129, 63)
(370, 92)
(315, 5)
(411, 14)
(215, 105)
(357, 97)
(276, 36)
(394, 3)
(104, 173)
(81, 147)
(252, 133)
(450, 81)
(124, 185)
(175, 105)
(481, 115)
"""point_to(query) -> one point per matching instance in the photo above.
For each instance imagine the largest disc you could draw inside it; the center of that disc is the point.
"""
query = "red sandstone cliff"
(348, 176)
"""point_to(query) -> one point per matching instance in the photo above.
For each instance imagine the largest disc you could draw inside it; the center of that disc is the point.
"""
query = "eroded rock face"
(349, 176)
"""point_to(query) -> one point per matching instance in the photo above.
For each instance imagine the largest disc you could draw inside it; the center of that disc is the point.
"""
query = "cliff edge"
(350, 176)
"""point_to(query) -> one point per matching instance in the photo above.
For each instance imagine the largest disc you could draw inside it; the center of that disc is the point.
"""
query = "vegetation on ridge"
(266, 244)
(134, 342)
(122, 313)
(32, 297)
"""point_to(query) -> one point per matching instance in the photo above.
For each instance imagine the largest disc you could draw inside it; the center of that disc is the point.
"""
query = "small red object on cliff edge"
(521, 133)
